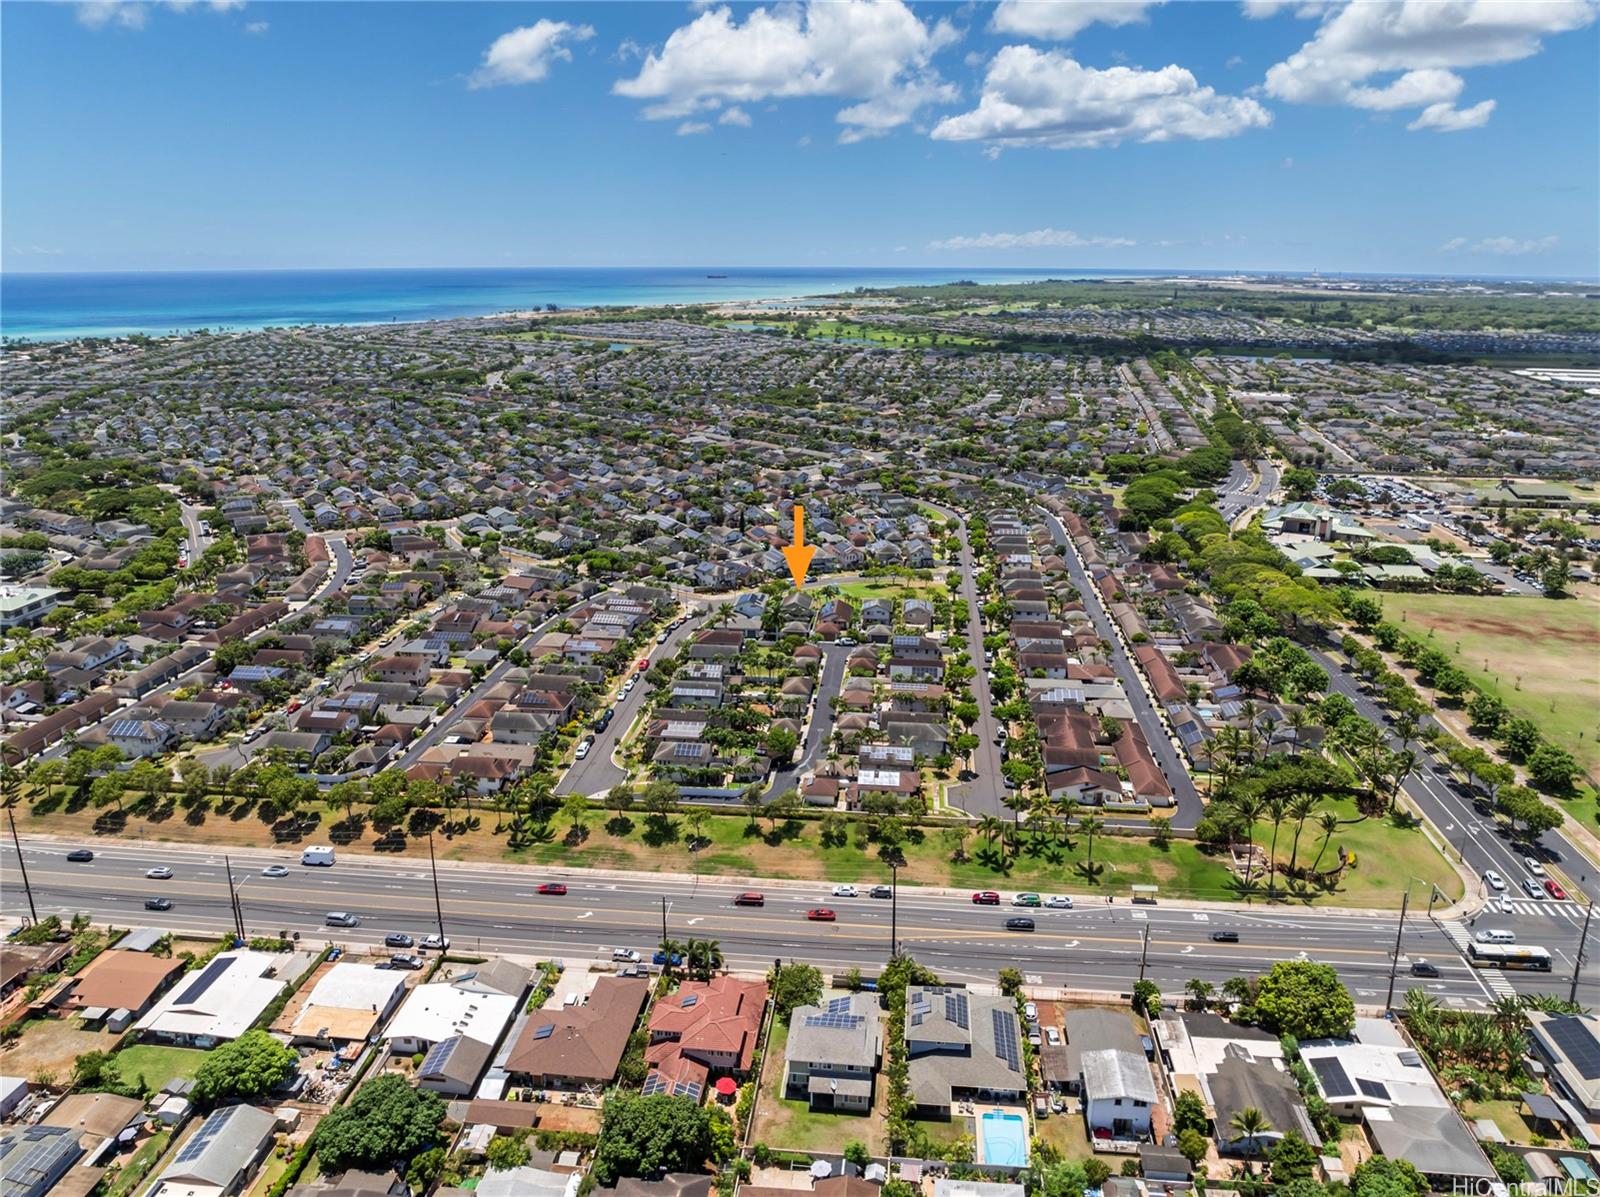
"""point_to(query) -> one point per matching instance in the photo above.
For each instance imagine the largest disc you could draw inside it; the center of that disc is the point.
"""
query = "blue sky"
(1441, 136)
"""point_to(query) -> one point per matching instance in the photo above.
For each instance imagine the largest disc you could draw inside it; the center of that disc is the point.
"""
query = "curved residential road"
(1189, 806)
(596, 773)
(492, 907)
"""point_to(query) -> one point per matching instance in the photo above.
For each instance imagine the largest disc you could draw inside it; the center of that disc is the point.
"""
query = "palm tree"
(669, 949)
(696, 821)
(751, 798)
(1201, 991)
(702, 957)
(1329, 823)
(1277, 810)
(1301, 809)
(1089, 825)
(1237, 989)
(990, 826)
(1298, 720)
(1249, 807)
(1249, 1124)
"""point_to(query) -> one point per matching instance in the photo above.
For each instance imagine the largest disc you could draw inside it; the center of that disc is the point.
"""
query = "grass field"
(1541, 656)
(889, 588)
(159, 1065)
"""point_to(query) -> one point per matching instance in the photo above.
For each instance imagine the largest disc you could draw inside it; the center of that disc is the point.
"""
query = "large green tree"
(385, 1123)
(646, 1136)
(1304, 999)
(247, 1068)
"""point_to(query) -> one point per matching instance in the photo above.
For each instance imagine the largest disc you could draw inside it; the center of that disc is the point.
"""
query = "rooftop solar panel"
(207, 978)
(545, 1031)
(653, 1084)
(692, 1000)
(1577, 1042)
(203, 1137)
(439, 1055)
(957, 1010)
(1006, 1044)
(1373, 1088)
(1335, 1083)
(839, 1005)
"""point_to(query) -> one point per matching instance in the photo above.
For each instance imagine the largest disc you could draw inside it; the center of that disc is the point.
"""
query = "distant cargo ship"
(716, 276)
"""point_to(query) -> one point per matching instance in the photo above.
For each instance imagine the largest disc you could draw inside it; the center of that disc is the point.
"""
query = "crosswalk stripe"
(1492, 978)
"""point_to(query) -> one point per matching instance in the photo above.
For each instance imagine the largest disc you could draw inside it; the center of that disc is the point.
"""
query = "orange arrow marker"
(799, 554)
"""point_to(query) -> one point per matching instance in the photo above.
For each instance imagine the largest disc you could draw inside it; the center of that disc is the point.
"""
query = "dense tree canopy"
(386, 1122)
(1306, 1000)
(247, 1068)
(646, 1136)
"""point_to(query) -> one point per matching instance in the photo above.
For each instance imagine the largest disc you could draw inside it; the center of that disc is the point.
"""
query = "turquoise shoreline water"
(62, 306)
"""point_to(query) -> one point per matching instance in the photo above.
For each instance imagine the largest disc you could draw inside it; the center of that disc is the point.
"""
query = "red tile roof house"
(705, 1027)
(408, 668)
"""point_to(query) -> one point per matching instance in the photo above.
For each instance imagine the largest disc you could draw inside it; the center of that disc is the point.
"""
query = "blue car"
(661, 958)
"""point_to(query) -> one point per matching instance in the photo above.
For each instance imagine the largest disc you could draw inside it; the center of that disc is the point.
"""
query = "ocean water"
(62, 306)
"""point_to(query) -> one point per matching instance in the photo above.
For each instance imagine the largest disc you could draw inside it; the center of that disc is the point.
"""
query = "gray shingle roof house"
(961, 1044)
(34, 1158)
(218, 1158)
(832, 1053)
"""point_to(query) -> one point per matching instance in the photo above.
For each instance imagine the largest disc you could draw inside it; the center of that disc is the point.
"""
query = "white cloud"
(874, 52)
(1502, 246)
(524, 55)
(1446, 118)
(1391, 54)
(256, 27)
(1045, 98)
(805, 140)
(135, 14)
(1233, 61)
(1062, 19)
(690, 128)
(1035, 239)
(101, 14)
(735, 116)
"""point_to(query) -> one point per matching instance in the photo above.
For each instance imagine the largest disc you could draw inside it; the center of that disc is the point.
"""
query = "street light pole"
(1577, 960)
(438, 906)
(1144, 951)
(1394, 962)
(22, 867)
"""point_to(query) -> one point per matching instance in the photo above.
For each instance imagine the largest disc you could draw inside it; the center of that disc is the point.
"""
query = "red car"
(986, 897)
(1554, 890)
(644, 663)
(553, 888)
(821, 915)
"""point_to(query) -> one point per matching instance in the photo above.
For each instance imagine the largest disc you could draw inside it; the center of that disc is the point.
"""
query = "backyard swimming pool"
(1002, 1139)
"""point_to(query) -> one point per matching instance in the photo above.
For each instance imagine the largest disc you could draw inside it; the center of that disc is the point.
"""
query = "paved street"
(596, 773)
(829, 679)
(493, 907)
(984, 794)
(1189, 805)
(1240, 494)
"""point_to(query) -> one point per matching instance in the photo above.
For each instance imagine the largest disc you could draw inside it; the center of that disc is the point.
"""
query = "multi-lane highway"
(494, 907)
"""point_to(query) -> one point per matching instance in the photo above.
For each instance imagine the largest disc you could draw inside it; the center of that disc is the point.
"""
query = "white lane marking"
(587, 914)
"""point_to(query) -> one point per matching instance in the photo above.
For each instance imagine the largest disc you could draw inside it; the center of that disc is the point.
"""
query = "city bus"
(1508, 955)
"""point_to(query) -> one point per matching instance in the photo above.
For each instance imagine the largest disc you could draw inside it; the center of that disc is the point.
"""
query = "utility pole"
(664, 923)
(1394, 963)
(1577, 960)
(233, 899)
(22, 866)
(894, 911)
(1144, 951)
(438, 907)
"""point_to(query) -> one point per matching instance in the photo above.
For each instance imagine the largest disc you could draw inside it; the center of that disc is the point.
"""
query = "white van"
(1495, 936)
(317, 854)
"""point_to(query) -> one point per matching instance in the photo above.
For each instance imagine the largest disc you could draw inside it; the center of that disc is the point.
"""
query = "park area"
(1541, 656)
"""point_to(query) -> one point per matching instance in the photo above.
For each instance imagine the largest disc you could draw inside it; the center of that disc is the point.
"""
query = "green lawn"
(1507, 1115)
(159, 1064)
(1038, 863)
(887, 588)
(138, 1165)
